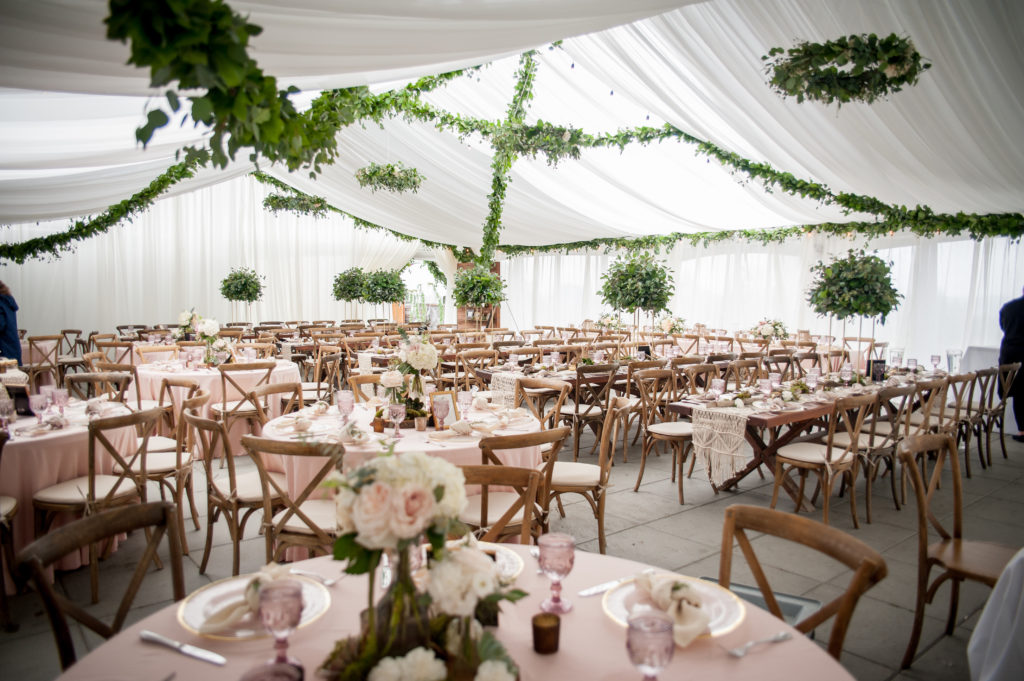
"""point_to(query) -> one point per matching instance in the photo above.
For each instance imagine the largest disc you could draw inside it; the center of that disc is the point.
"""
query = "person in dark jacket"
(10, 344)
(1011, 321)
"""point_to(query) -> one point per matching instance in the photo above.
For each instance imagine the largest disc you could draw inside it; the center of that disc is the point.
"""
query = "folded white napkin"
(679, 600)
(236, 609)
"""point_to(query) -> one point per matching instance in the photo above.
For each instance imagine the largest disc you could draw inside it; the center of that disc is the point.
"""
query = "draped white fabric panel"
(174, 256)
(953, 289)
(312, 44)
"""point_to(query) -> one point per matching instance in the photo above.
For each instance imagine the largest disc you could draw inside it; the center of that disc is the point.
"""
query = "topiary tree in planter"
(478, 288)
(348, 285)
(637, 282)
(242, 285)
(383, 286)
(858, 285)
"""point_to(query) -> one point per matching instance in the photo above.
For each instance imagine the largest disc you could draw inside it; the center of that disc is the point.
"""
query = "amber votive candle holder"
(545, 632)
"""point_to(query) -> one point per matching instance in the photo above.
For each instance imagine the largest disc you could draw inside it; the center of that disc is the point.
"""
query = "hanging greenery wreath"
(858, 285)
(242, 285)
(394, 177)
(851, 68)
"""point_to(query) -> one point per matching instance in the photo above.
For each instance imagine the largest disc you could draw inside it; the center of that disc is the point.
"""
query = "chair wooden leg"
(954, 601)
(826, 490)
(683, 451)
(601, 542)
(576, 433)
(853, 495)
(212, 515)
(869, 472)
(919, 605)
(643, 463)
(778, 483)
(693, 462)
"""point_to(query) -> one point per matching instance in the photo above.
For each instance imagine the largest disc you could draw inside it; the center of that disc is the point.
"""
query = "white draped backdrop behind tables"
(33, 461)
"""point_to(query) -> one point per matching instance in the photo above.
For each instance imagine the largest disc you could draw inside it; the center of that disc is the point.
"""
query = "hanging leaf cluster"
(637, 282)
(393, 177)
(853, 68)
(242, 285)
(435, 272)
(858, 285)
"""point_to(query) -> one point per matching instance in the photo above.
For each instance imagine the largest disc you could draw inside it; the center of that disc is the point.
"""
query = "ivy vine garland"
(851, 68)
(242, 285)
(858, 285)
(394, 177)
(435, 272)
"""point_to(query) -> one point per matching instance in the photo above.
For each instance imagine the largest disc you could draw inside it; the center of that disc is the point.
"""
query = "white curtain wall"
(952, 289)
(175, 255)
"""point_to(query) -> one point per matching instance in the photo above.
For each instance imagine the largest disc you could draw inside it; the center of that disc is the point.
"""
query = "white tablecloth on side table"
(996, 649)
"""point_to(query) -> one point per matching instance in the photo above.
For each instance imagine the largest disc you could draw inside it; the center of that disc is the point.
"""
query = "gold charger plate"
(725, 609)
(203, 602)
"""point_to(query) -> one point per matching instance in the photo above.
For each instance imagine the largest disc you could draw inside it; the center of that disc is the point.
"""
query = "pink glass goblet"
(649, 642)
(280, 612)
(441, 410)
(397, 413)
(555, 558)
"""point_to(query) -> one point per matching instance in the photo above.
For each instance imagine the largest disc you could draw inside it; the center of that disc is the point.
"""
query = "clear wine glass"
(465, 401)
(397, 412)
(912, 364)
(441, 409)
(765, 386)
(47, 392)
(555, 558)
(717, 387)
(37, 403)
(776, 380)
(6, 412)
(846, 373)
(281, 611)
(649, 642)
(935, 362)
(346, 402)
(811, 379)
(60, 398)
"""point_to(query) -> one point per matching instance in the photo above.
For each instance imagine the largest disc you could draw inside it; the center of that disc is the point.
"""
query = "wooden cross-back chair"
(836, 456)
(550, 443)
(995, 416)
(236, 496)
(698, 377)
(288, 395)
(468, 362)
(867, 564)
(984, 400)
(96, 491)
(629, 389)
(303, 521)
(8, 509)
(657, 389)
(236, 399)
(117, 352)
(329, 374)
(111, 385)
(535, 393)
(783, 364)
(888, 425)
(158, 518)
(359, 382)
(517, 517)
(162, 352)
(69, 353)
(593, 392)
(960, 408)
(957, 558)
(42, 359)
(139, 403)
(263, 350)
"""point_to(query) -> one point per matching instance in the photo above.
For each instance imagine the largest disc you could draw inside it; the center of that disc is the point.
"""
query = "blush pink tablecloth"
(591, 646)
(31, 463)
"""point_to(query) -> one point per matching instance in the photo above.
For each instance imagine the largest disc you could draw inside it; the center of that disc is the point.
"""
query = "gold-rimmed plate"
(203, 602)
(725, 609)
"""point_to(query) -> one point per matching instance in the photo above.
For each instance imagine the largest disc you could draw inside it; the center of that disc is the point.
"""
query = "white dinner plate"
(509, 564)
(725, 609)
(203, 602)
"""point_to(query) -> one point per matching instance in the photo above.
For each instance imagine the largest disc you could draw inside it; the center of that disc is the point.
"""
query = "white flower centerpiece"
(391, 504)
(608, 322)
(770, 328)
(187, 320)
(416, 355)
(670, 324)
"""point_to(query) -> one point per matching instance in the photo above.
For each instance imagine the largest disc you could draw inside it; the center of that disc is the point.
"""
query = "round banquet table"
(34, 461)
(151, 377)
(591, 645)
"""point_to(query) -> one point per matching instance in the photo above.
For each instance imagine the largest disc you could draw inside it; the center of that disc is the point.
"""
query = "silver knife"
(601, 588)
(184, 648)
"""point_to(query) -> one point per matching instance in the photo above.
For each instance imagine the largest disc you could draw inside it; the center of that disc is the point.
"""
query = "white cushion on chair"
(322, 512)
(811, 452)
(569, 408)
(497, 504)
(7, 506)
(248, 485)
(74, 491)
(158, 462)
(160, 443)
(671, 428)
(234, 408)
(573, 474)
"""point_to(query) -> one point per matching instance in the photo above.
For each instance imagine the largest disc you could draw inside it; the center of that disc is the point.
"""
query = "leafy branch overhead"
(858, 285)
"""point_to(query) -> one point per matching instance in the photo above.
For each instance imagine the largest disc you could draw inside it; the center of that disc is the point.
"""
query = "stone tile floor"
(651, 526)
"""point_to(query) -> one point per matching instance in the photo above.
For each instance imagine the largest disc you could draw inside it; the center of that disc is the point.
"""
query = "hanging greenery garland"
(242, 285)
(314, 206)
(858, 285)
(435, 272)
(394, 177)
(349, 285)
(858, 68)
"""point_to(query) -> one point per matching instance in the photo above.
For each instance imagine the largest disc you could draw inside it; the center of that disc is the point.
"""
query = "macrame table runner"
(503, 387)
(717, 438)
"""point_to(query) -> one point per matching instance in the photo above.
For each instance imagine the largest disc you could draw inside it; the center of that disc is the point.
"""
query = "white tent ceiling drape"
(69, 106)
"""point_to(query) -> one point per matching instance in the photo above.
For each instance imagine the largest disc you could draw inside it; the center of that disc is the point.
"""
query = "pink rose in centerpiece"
(372, 515)
(413, 510)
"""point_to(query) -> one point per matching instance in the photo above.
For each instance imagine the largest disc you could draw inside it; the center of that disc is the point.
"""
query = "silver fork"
(745, 648)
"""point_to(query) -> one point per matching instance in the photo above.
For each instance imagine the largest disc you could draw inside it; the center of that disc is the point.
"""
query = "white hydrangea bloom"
(493, 670)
